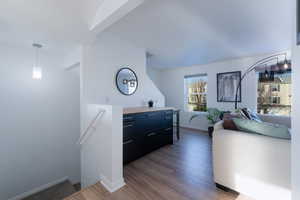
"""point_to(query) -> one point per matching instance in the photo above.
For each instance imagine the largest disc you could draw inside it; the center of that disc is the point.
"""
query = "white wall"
(99, 65)
(154, 75)
(295, 113)
(102, 154)
(39, 122)
(171, 83)
(296, 125)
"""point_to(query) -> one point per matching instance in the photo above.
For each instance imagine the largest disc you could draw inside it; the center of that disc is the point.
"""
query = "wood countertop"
(133, 110)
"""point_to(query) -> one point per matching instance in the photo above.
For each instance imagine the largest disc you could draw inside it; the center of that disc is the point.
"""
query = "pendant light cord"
(36, 57)
(37, 47)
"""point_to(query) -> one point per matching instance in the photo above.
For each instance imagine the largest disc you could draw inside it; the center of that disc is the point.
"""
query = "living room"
(149, 99)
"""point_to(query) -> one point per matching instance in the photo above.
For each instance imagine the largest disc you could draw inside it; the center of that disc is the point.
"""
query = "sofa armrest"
(254, 165)
(218, 126)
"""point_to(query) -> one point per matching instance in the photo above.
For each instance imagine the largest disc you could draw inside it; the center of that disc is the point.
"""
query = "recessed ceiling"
(183, 33)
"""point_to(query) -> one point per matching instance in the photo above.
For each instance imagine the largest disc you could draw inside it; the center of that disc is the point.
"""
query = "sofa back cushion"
(262, 128)
(228, 122)
(229, 116)
(275, 119)
(229, 125)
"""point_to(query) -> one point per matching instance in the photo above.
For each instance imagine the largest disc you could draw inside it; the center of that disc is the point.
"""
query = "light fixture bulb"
(37, 70)
(37, 73)
(286, 65)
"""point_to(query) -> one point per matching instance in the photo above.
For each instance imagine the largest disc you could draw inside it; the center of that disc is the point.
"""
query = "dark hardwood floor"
(177, 172)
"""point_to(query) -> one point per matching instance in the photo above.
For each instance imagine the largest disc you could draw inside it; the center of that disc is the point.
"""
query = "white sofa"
(254, 165)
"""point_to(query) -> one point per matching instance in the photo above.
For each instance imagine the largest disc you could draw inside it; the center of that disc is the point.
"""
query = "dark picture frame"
(226, 86)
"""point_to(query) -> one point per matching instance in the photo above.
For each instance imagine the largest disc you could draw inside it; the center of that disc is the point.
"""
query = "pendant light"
(266, 74)
(37, 70)
(286, 64)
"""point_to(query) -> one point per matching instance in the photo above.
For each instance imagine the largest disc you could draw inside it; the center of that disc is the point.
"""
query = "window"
(275, 87)
(274, 100)
(275, 97)
(196, 92)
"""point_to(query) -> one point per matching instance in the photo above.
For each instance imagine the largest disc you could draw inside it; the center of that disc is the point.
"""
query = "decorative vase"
(150, 104)
(210, 131)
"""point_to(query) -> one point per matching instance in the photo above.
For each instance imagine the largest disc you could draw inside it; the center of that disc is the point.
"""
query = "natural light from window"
(196, 92)
(274, 97)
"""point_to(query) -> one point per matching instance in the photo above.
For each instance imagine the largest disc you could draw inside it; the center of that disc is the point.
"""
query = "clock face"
(127, 82)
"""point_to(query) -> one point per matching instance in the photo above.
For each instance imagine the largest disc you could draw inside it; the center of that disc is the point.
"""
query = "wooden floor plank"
(182, 171)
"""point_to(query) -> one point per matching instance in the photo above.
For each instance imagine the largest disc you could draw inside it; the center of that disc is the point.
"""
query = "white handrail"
(86, 134)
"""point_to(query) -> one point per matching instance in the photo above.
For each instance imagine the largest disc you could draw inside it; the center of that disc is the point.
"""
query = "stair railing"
(87, 133)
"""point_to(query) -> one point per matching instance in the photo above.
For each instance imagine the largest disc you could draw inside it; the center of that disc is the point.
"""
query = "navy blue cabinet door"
(146, 132)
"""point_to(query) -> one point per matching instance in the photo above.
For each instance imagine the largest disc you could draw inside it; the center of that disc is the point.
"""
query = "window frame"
(278, 86)
(186, 92)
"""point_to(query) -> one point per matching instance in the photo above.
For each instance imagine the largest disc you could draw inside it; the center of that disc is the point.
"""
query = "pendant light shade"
(37, 73)
(286, 64)
(267, 75)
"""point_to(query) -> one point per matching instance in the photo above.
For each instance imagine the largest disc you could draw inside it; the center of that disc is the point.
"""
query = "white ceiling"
(175, 32)
(54, 23)
(189, 32)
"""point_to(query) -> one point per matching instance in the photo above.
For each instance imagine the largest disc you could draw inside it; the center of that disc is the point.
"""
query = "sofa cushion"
(229, 125)
(230, 116)
(262, 128)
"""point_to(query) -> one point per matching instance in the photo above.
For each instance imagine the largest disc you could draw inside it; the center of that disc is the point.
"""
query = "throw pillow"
(231, 116)
(250, 115)
(244, 112)
(267, 129)
(229, 125)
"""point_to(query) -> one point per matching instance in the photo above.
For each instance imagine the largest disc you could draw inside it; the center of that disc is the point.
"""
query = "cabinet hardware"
(151, 134)
(152, 115)
(128, 118)
(145, 132)
(127, 142)
(127, 126)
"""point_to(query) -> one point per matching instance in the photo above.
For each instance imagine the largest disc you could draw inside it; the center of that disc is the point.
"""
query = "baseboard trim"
(38, 189)
(112, 186)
